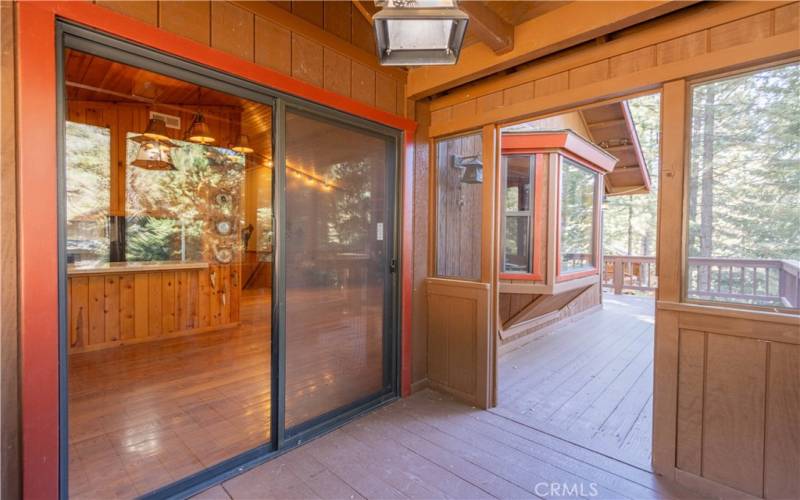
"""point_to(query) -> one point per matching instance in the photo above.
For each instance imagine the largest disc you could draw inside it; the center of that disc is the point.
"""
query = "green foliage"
(630, 221)
(744, 186)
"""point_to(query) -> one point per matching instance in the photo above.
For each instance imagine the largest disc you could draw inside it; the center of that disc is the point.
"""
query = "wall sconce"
(473, 168)
(419, 33)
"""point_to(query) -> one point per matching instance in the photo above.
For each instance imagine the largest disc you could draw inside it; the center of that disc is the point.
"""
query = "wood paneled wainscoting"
(108, 309)
(736, 377)
(460, 333)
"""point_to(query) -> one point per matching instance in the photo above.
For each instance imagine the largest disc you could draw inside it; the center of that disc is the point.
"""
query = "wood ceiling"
(92, 78)
(491, 22)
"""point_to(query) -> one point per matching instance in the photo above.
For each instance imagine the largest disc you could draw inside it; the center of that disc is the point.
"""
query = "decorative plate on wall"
(224, 227)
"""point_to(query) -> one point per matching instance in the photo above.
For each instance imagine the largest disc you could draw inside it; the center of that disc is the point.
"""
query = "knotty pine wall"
(108, 310)
(328, 45)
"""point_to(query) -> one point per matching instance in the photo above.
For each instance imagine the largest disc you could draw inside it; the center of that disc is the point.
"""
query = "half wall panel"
(459, 336)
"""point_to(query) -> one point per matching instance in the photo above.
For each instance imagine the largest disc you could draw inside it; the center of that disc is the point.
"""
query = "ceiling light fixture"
(419, 32)
(154, 151)
(198, 131)
(153, 154)
(243, 145)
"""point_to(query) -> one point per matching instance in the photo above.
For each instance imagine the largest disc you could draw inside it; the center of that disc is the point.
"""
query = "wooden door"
(727, 377)
(461, 347)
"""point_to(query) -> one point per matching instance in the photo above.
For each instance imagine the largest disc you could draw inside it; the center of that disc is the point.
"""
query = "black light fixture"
(473, 168)
(419, 32)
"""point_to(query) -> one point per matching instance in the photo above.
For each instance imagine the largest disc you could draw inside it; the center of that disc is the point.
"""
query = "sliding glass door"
(201, 330)
(338, 243)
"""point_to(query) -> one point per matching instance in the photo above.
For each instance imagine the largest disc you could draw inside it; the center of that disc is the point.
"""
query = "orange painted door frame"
(38, 208)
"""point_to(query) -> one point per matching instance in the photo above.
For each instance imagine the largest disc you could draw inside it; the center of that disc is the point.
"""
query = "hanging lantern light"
(419, 33)
(473, 168)
(198, 131)
(243, 145)
(153, 154)
(156, 129)
(154, 151)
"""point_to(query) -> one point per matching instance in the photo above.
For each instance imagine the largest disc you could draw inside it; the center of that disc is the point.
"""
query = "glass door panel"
(168, 220)
(337, 246)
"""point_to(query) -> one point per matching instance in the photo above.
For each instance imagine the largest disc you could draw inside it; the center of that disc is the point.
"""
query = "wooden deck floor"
(430, 446)
(589, 382)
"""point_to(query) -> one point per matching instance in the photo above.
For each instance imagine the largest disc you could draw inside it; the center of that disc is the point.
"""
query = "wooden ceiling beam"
(489, 27)
(558, 29)
(365, 12)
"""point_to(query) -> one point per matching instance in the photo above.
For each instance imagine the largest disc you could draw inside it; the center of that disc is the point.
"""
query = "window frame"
(533, 272)
(687, 156)
(562, 276)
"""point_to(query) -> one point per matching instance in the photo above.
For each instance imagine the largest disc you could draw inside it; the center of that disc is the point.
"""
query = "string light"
(310, 179)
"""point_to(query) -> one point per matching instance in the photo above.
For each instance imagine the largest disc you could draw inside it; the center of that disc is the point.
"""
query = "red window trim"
(539, 222)
(38, 217)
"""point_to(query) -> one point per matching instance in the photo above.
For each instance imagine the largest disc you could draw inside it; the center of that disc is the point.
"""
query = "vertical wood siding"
(335, 49)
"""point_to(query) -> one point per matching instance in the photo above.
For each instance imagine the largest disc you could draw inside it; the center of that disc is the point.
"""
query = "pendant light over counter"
(199, 132)
(155, 148)
(243, 145)
(419, 32)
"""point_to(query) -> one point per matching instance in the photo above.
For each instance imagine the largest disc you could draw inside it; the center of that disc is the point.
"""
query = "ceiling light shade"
(153, 154)
(419, 33)
(156, 129)
(198, 131)
(243, 145)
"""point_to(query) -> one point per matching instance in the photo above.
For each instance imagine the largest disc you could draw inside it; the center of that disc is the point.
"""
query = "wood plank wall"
(108, 310)
(9, 411)
(689, 42)
(459, 211)
(327, 45)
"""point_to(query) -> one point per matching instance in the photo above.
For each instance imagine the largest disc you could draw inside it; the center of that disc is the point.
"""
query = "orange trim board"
(38, 216)
(568, 141)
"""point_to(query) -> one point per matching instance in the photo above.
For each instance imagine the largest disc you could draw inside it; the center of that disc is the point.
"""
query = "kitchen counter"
(133, 267)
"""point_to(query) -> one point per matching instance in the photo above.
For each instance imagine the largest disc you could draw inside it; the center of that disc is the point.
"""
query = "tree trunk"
(630, 227)
(707, 190)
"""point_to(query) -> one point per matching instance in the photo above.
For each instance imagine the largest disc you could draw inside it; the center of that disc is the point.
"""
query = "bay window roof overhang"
(561, 141)
(611, 128)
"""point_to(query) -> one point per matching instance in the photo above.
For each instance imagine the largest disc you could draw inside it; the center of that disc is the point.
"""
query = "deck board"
(432, 446)
(589, 382)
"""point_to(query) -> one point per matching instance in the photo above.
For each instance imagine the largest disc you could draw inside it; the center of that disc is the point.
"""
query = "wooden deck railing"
(763, 282)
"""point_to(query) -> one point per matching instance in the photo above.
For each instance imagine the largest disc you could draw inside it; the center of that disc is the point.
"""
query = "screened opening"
(744, 190)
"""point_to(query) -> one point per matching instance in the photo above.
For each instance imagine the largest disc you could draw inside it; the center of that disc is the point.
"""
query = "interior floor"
(589, 381)
(142, 416)
(431, 446)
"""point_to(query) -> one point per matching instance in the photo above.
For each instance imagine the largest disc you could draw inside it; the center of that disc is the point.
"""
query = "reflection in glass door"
(337, 247)
(168, 225)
